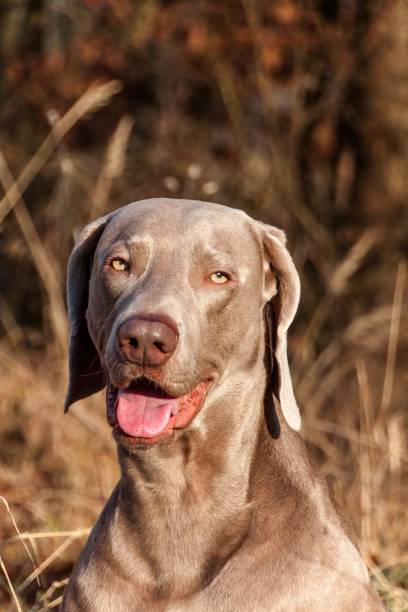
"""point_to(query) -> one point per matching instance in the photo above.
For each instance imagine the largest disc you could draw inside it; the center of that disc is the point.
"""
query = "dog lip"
(148, 386)
(182, 415)
(145, 383)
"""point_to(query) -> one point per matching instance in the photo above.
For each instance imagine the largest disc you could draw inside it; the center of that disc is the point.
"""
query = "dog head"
(166, 303)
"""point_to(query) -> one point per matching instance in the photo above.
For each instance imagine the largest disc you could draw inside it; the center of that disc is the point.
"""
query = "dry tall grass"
(349, 342)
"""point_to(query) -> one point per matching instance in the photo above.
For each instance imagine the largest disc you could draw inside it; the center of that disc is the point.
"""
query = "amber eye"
(219, 278)
(119, 264)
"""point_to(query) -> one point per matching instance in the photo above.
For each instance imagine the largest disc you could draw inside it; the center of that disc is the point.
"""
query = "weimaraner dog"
(181, 309)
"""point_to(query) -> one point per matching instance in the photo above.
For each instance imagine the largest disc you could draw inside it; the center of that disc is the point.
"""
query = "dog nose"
(147, 342)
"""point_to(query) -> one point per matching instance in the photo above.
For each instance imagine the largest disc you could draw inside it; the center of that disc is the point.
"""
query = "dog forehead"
(169, 220)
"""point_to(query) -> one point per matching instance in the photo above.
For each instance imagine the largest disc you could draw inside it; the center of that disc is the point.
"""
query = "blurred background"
(295, 111)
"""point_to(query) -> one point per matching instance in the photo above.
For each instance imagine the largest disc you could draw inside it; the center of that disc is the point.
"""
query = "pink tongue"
(143, 415)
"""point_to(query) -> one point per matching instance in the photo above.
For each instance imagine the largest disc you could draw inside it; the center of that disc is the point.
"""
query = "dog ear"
(282, 292)
(86, 375)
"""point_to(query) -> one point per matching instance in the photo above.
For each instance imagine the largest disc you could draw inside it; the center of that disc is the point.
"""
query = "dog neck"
(187, 502)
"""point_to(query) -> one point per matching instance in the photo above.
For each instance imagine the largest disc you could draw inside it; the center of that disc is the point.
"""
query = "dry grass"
(58, 471)
(348, 343)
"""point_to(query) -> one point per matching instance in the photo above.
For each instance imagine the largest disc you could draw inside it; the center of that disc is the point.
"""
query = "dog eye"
(219, 278)
(119, 264)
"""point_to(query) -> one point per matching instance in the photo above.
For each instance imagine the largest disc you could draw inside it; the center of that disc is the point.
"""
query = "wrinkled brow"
(118, 247)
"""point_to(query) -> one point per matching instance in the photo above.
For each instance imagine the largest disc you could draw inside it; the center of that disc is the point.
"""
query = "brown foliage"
(294, 111)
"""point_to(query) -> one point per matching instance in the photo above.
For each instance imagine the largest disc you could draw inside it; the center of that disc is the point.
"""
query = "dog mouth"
(143, 413)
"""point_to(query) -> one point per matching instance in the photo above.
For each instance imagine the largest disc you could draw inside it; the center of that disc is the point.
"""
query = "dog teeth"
(175, 409)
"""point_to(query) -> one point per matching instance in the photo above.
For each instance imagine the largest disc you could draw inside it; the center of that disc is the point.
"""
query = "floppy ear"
(85, 371)
(283, 295)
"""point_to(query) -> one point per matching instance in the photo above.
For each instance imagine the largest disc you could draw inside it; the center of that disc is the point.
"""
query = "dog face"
(174, 312)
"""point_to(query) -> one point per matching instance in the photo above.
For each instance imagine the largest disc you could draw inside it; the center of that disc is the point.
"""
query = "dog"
(181, 310)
